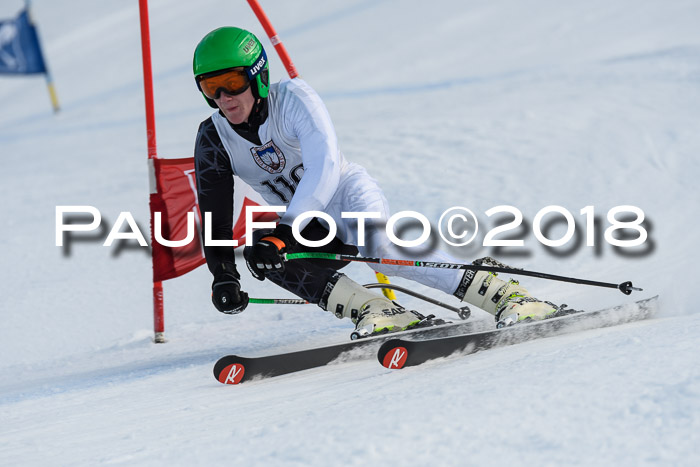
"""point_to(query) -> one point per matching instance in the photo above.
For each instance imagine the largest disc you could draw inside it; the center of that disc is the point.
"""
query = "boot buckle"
(362, 332)
(507, 320)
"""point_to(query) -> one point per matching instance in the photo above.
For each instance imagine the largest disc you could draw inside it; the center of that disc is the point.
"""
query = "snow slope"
(447, 103)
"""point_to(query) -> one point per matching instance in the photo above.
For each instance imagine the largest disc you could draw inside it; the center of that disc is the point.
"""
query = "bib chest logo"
(269, 157)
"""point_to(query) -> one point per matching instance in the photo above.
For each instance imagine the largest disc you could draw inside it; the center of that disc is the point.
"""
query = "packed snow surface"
(447, 103)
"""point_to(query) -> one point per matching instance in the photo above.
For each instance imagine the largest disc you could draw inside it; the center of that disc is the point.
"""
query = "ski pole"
(624, 287)
(463, 312)
(278, 301)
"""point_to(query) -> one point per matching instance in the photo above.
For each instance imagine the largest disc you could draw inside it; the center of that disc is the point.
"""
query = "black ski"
(399, 352)
(234, 369)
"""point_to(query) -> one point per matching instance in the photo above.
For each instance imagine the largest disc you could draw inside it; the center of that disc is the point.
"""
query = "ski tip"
(394, 356)
(231, 374)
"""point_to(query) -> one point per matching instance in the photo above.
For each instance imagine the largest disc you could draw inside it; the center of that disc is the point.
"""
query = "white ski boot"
(371, 313)
(508, 301)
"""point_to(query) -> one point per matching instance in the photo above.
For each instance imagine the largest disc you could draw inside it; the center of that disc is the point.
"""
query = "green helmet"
(230, 47)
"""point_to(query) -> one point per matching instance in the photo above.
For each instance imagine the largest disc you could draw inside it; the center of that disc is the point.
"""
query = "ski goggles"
(233, 81)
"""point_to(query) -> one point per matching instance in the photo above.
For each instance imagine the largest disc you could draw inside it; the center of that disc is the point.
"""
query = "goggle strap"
(258, 66)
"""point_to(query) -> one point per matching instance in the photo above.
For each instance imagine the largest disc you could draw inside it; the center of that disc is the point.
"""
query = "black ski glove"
(226, 293)
(254, 271)
(266, 254)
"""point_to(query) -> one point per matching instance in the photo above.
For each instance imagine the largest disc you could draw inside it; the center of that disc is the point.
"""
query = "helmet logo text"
(249, 46)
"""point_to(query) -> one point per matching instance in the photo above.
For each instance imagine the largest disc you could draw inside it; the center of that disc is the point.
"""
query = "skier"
(279, 139)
